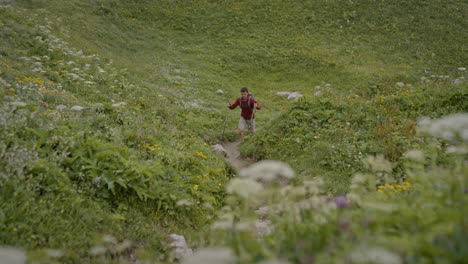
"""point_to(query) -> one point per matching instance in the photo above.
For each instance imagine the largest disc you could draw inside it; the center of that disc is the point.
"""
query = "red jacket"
(247, 111)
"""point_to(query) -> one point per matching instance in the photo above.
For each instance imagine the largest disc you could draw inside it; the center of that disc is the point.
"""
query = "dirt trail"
(234, 157)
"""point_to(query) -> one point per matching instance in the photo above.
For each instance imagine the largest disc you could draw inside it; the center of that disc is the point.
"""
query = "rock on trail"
(234, 157)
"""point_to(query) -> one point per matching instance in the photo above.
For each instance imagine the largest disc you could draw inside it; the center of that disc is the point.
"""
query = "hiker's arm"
(234, 105)
(256, 105)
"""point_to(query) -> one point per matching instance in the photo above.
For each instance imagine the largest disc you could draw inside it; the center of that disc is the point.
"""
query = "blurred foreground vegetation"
(109, 110)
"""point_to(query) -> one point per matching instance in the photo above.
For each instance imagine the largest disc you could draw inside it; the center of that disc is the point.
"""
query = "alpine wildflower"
(245, 188)
(268, 171)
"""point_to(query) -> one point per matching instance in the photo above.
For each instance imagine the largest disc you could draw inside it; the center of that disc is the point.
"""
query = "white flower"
(77, 108)
(457, 149)
(211, 255)
(245, 188)
(76, 69)
(313, 186)
(219, 91)
(225, 221)
(74, 76)
(54, 253)
(268, 171)
(462, 69)
(379, 163)
(184, 203)
(400, 84)
(459, 80)
(415, 155)
(451, 127)
(262, 211)
(263, 228)
(109, 239)
(354, 198)
(97, 250)
(374, 255)
(274, 261)
(121, 247)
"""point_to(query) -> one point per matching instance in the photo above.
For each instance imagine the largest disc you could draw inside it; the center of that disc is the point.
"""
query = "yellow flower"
(202, 155)
(198, 202)
(195, 187)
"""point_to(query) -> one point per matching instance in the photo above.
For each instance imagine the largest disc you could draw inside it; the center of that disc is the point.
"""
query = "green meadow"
(109, 111)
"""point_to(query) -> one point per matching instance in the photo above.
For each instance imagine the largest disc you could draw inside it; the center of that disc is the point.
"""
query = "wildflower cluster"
(200, 154)
(394, 188)
(150, 147)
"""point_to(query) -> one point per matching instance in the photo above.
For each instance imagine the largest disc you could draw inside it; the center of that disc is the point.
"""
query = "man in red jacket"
(247, 104)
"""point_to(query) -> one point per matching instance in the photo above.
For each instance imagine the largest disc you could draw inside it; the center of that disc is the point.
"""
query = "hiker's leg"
(241, 128)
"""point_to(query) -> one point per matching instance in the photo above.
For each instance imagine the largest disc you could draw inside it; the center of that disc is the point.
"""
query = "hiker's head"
(245, 91)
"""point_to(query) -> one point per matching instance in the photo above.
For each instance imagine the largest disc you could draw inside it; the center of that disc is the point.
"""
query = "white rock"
(12, 255)
(179, 247)
(60, 107)
(77, 108)
(294, 95)
(218, 148)
(459, 80)
(119, 104)
(17, 103)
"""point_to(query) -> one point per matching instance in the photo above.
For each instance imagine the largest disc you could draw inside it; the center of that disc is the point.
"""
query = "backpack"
(248, 101)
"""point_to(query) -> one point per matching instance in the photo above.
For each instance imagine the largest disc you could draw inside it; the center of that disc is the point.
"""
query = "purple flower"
(341, 201)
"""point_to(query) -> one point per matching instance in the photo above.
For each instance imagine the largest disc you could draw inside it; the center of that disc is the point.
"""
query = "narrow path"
(234, 157)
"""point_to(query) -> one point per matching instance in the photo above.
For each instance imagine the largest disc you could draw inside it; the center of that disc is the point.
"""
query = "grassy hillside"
(109, 109)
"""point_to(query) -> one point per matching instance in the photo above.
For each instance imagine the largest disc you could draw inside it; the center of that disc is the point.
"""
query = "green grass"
(124, 168)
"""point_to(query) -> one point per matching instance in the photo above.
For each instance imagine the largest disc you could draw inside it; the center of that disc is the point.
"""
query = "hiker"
(248, 105)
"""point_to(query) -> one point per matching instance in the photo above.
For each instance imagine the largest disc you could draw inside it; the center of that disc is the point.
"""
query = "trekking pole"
(253, 112)
(252, 118)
